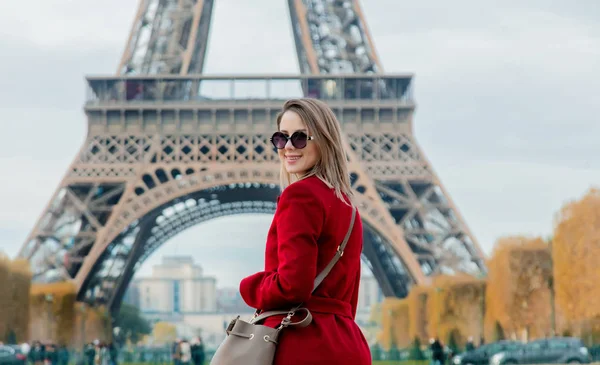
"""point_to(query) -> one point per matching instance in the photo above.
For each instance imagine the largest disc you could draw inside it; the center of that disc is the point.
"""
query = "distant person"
(63, 355)
(90, 353)
(437, 352)
(25, 348)
(197, 351)
(176, 352)
(51, 353)
(312, 218)
(113, 353)
(470, 345)
(185, 351)
(36, 353)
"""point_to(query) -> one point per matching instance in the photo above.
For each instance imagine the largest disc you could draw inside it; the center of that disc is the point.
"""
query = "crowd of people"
(100, 353)
(439, 352)
(38, 353)
(49, 353)
(182, 352)
(186, 352)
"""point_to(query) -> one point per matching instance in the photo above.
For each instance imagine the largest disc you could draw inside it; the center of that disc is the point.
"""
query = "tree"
(52, 307)
(452, 341)
(415, 351)
(375, 315)
(455, 303)
(131, 324)
(417, 312)
(394, 323)
(518, 293)
(394, 353)
(15, 285)
(11, 338)
(376, 352)
(576, 247)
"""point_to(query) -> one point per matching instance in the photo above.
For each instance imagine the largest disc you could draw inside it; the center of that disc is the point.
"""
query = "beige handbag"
(249, 343)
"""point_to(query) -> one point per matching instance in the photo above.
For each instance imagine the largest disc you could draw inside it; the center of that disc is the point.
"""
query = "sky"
(506, 94)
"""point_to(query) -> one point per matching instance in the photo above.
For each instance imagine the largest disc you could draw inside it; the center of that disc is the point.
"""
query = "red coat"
(309, 224)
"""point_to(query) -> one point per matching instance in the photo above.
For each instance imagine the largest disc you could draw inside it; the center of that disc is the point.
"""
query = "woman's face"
(297, 160)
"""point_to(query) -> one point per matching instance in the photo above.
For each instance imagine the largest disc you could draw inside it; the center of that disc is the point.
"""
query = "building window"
(176, 297)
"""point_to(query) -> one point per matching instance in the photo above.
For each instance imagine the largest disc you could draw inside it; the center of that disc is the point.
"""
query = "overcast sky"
(507, 96)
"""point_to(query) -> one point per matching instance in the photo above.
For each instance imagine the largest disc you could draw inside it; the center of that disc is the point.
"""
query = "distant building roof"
(177, 260)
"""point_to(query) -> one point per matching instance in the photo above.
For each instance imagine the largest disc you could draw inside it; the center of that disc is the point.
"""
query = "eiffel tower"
(168, 147)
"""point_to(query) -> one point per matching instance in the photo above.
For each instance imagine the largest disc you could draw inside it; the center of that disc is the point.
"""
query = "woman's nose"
(288, 145)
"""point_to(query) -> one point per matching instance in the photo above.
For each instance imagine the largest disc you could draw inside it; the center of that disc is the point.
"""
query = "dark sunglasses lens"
(279, 140)
(299, 139)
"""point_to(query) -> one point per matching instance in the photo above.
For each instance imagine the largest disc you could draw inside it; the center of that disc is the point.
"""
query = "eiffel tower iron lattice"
(168, 148)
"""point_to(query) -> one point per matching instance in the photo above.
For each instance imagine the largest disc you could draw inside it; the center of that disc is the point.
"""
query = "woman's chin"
(293, 170)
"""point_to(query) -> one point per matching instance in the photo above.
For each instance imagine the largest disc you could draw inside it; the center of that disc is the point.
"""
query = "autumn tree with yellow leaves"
(91, 323)
(52, 312)
(56, 316)
(455, 308)
(451, 305)
(518, 297)
(394, 323)
(15, 281)
(576, 248)
(417, 312)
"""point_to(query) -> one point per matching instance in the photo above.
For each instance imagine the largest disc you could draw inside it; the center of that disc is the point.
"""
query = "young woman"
(313, 216)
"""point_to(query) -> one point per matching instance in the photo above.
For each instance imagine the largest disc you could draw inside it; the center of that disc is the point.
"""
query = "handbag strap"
(338, 254)
(318, 280)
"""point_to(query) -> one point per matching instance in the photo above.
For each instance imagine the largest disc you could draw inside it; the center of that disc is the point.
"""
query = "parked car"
(557, 350)
(11, 355)
(482, 354)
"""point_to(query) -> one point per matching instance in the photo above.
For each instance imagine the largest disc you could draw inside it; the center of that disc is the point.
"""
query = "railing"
(200, 88)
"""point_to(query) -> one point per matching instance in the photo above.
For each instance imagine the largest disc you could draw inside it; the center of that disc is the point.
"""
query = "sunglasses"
(299, 140)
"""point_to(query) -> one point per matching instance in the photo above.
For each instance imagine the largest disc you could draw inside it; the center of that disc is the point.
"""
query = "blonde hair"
(332, 166)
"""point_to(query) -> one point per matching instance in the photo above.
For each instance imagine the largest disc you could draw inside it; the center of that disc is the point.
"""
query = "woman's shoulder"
(311, 185)
(310, 189)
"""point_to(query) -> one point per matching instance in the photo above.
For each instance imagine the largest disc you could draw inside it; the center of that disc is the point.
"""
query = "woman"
(312, 218)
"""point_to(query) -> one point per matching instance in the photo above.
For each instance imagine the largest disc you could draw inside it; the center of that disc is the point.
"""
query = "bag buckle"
(232, 324)
(286, 320)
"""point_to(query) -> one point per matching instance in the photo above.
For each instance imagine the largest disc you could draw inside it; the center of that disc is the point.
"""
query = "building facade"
(176, 286)
(369, 294)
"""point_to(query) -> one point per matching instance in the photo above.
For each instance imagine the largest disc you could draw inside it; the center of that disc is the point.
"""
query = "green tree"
(11, 338)
(376, 352)
(452, 341)
(131, 324)
(415, 351)
(394, 353)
